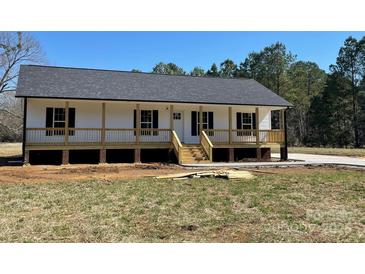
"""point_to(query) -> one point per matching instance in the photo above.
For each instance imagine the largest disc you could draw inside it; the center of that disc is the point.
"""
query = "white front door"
(179, 124)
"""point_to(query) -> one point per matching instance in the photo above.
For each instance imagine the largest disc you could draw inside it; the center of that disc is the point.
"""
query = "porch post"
(284, 147)
(66, 122)
(26, 157)
(65, 157)
(200, 122)
(171, 121)
(282, 119)
(258, 149)
(137, 151)
(231, 154)
(103, 124)
(230, 125)
(138, 123)
(102, 156)
(102, 152)
(24, 152)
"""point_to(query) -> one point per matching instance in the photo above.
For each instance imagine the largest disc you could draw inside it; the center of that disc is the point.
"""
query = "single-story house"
(128, 116)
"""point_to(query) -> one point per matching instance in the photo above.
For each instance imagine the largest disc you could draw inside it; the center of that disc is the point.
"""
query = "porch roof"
(80, 83)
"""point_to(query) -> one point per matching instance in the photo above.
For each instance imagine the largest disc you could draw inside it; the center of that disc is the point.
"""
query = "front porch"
(197, 148)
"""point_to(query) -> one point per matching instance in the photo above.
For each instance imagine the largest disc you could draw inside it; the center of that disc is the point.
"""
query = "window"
(207, 122)
(177, 115)
(246, 121)
(149, 119)
(146, 121)
(59, 118)
(56, 119)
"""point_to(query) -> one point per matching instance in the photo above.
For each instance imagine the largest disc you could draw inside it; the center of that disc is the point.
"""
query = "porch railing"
(53, 136)
(207, 145)
(222, 136)
(177, 146)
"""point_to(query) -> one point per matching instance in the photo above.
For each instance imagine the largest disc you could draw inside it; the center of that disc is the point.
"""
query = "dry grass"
(320, 206)
(10, 149)
(355, 152)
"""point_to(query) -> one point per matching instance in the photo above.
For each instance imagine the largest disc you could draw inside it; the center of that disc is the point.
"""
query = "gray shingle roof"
(78, 83)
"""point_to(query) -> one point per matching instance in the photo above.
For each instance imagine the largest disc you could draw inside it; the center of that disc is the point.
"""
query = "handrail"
(207, 145)
(177, 146)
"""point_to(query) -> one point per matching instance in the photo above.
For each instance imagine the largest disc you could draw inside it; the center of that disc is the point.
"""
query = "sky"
(142, 50)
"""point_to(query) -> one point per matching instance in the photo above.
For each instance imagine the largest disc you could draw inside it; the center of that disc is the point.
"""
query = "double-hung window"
(146, 121)
(246, 123)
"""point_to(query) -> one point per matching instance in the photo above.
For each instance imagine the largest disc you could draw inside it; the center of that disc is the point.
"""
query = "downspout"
(24, 127)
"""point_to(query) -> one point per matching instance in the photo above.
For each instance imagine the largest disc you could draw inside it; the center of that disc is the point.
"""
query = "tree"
(197, 71)
(269, 67)
(16, 49)
(305, 81)
(351, 64)
(11, 115)
(136, 70)
(330, 113)
(170, 68)
(228, 69)
(213, 71)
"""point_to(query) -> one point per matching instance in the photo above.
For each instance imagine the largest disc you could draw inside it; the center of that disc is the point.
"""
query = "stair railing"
(207, 145)
(177, 146)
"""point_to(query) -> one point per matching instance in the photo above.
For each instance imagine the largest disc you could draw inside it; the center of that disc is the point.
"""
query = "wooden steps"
(193, 154)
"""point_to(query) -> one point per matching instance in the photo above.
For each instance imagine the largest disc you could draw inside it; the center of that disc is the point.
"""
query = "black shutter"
(134, 120)
(210, 123)
(254, 120)
(193, 123)
(49, 121)
(210, 120)
(239, 120)
(71, 117)
(71, 121)
(155, 121)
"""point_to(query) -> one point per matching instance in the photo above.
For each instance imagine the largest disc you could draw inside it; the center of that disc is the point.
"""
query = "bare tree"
(11, 115)
(16, 49)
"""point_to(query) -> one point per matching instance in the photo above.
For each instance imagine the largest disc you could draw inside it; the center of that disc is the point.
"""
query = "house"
(126, 116)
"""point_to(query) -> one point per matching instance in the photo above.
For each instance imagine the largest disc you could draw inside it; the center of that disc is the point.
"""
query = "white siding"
(120, 114)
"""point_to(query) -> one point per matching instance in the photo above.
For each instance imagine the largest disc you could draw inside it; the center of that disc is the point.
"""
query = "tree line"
(329, 108)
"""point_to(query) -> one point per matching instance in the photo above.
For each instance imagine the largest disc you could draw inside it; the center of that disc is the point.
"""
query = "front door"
(179, 124)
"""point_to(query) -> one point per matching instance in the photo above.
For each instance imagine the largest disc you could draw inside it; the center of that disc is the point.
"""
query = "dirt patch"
(108, 172)
(39, 174)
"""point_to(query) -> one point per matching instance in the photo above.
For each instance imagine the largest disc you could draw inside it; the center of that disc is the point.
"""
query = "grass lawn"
(355, 152)
(318, 206)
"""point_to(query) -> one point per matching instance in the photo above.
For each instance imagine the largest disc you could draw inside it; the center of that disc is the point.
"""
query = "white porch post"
(258, 149)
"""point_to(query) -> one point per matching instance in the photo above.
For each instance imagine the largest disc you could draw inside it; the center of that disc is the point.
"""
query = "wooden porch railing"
(207, 145)
(238, 136)
(56, 136)
(177, 146)
(91, 136)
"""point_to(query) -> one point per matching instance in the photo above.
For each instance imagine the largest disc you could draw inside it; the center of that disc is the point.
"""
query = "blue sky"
(142, 50)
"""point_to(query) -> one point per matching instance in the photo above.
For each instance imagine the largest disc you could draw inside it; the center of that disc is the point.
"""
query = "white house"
(125, 116)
